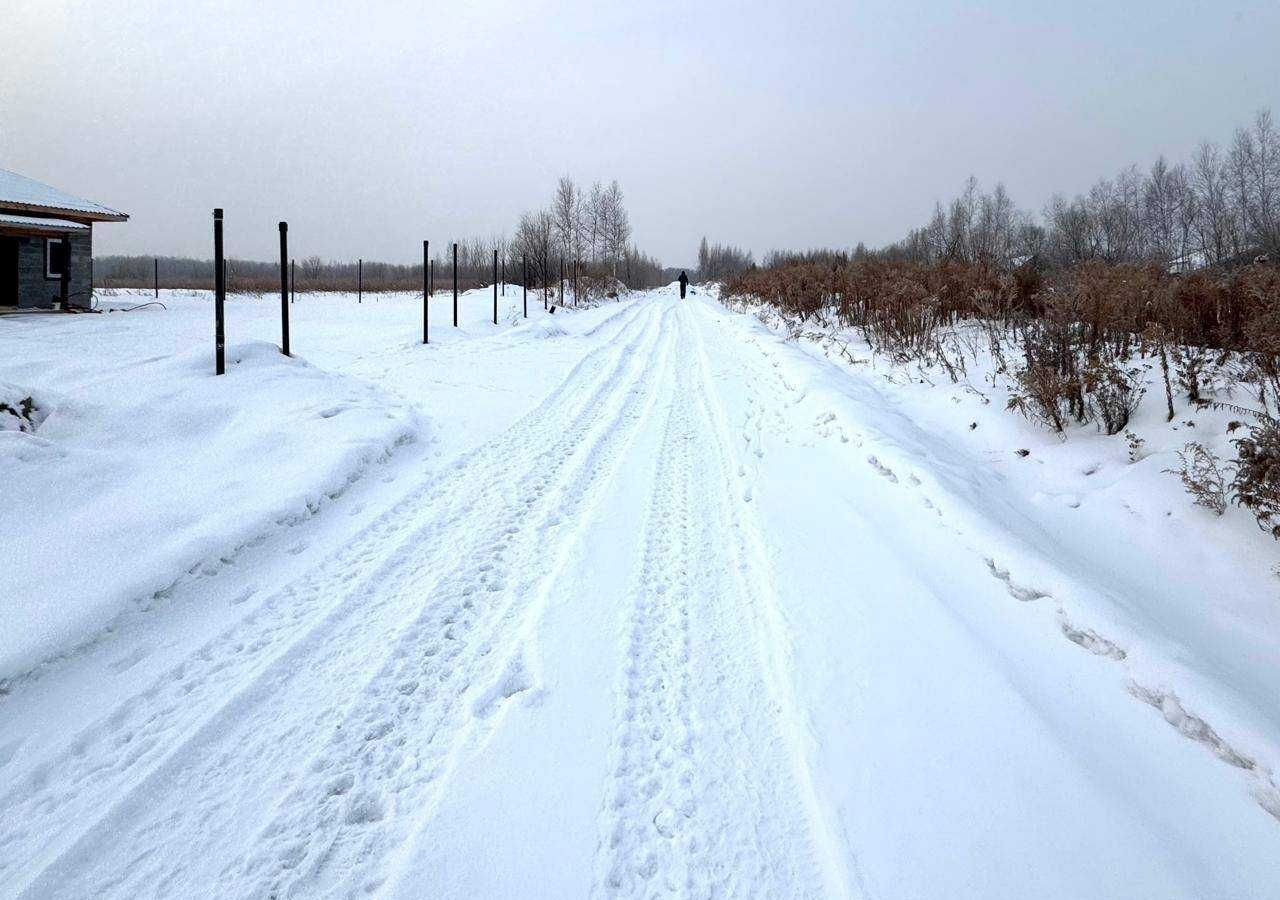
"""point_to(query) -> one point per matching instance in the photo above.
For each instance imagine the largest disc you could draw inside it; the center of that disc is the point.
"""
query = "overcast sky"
(370, 126)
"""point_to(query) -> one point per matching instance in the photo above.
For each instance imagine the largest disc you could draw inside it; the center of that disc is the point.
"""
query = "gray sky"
(370, 126)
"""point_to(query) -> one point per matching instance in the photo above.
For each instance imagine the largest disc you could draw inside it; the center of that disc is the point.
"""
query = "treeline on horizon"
(591, 227)
(1175, 269)
(1218, 210)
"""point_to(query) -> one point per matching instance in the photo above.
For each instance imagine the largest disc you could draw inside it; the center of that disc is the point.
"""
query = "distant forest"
(1221, 208)
(589, 227)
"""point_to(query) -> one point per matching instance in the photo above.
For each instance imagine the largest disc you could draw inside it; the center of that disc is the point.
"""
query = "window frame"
(49, 274)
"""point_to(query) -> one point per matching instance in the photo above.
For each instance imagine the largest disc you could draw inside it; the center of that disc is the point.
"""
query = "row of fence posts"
(288, 287)
(289, 284)
(428, 276)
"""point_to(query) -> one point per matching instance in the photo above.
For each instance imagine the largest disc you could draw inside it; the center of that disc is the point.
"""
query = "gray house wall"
(37, 291)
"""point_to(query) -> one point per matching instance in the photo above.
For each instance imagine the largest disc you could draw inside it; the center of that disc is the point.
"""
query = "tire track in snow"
(840, 872)
(703, 797)
(110, 766)
(404, 737)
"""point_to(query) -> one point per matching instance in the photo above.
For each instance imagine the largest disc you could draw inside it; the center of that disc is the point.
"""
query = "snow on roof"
(20, 191)
(36, 222)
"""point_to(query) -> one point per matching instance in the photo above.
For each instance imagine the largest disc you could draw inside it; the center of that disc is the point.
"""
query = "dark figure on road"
(684, 283)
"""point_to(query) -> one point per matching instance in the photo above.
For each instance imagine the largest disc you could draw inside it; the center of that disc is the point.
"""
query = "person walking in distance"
(684, 283)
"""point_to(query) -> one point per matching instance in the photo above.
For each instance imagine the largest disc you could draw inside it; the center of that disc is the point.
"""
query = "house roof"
(38, 223)
(18, 193)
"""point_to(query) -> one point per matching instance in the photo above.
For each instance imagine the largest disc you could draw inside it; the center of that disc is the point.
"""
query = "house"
(46, 244)
(1188, 263)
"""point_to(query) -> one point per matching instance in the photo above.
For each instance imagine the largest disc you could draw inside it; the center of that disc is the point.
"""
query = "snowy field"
(643, 600)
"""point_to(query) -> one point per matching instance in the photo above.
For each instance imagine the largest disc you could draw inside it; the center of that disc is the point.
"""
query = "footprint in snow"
(1017, 591)
(884, 470)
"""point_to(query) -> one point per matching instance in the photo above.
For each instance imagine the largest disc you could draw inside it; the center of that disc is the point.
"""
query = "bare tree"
(594, 220)
(1160, 199)
(1256, 156)
(615, 226)
(564, 209)
(1071, 233)
(1217, 230)
(536, 241)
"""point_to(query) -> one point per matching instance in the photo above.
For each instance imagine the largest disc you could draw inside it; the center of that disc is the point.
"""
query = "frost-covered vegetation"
(1172, 273)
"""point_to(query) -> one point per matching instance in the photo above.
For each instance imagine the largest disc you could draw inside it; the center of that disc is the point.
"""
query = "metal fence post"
(455, 285)
(495, 287)
(219, 296)
(156, 261)
(284, 288)
(426, 287)
(359, 280)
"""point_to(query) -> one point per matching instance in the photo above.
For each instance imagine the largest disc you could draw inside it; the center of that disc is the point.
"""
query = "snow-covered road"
(711, 619)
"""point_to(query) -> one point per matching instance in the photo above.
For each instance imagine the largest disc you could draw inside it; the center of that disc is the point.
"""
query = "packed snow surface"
(643, 600)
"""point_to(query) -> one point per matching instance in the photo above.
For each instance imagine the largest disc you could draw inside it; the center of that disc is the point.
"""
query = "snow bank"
(1089, 529)
(139, 475)
(538, 329)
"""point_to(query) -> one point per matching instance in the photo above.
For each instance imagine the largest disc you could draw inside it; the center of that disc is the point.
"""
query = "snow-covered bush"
(1202, 476)
(1043, 394)
(1256, 484)
(1112, 394)
(19, 410)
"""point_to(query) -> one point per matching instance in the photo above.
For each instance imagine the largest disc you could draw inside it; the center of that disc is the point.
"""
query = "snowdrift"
(136, 477)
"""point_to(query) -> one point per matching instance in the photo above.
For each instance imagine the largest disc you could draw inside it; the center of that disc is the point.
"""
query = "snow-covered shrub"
(18, 410)
(1080, 326)
(1190, 364)
(1042, 394)
(1259, 293)
(1256, 484)
(1135, 443)
(1047, 386)
(1202, 476)
(1112, 394)
(904, 326)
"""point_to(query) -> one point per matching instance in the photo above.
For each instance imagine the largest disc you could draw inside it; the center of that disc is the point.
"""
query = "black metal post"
(426, 286)
(157, 277)
(360, 281)
(495, 287)
(284, 288)
(524, 283)
(219, 296)
(455, 285)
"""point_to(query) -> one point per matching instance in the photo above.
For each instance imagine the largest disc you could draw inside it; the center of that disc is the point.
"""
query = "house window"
(55, 259)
